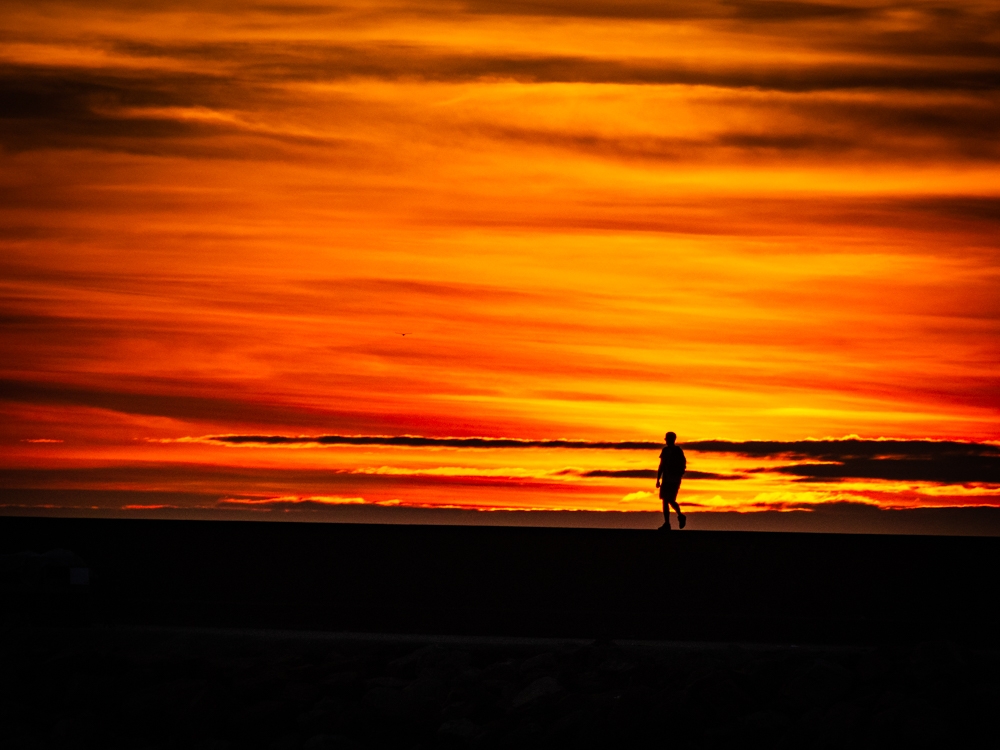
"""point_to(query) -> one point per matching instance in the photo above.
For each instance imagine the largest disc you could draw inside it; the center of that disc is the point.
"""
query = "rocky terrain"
(103, 687)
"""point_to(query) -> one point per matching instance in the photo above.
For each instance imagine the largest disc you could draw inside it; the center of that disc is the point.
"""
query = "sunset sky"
(765, 225)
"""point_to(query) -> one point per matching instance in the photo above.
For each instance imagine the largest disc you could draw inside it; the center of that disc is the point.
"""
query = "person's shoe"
(664, 527)
(682, 520)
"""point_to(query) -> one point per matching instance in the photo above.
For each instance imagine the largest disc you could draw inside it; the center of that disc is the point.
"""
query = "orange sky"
(593, 220)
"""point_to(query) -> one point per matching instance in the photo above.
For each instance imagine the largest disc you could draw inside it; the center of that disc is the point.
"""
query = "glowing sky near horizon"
(592, 220)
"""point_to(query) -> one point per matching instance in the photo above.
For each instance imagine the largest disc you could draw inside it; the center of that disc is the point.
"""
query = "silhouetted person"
(668, 479)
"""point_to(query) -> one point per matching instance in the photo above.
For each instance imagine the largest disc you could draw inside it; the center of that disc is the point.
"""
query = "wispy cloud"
(633, 496)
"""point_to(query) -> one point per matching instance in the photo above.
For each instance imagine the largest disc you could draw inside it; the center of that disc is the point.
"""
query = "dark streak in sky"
(948, 462)
(414, 441)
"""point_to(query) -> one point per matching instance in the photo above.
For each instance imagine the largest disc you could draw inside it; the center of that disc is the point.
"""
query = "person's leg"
(665, 497)
(671, 500)
(681, 518)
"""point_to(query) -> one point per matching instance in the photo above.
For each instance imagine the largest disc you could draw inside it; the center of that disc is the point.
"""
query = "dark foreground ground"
(181, 688)
(155, 634)
(493, 581)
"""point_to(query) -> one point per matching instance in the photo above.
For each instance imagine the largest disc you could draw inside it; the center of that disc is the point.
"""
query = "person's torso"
(672, 460)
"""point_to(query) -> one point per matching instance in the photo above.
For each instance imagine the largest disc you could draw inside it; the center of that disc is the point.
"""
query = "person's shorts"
(669, 487)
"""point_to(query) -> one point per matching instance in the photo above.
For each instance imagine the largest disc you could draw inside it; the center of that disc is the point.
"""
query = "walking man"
(668, 479)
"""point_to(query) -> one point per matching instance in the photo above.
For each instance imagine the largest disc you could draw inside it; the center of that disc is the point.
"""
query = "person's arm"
(659, 472)
(684, 461)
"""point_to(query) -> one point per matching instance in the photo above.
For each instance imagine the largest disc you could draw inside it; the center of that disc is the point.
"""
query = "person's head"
(671, 438)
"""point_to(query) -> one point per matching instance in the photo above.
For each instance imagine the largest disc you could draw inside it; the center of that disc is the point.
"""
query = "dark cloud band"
(850, 448)
(414, 441)
(946, 462)
(826, 449)
(943, 469)
(651, 474)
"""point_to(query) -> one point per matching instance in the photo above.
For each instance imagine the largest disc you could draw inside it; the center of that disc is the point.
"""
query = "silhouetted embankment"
(690, 585)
